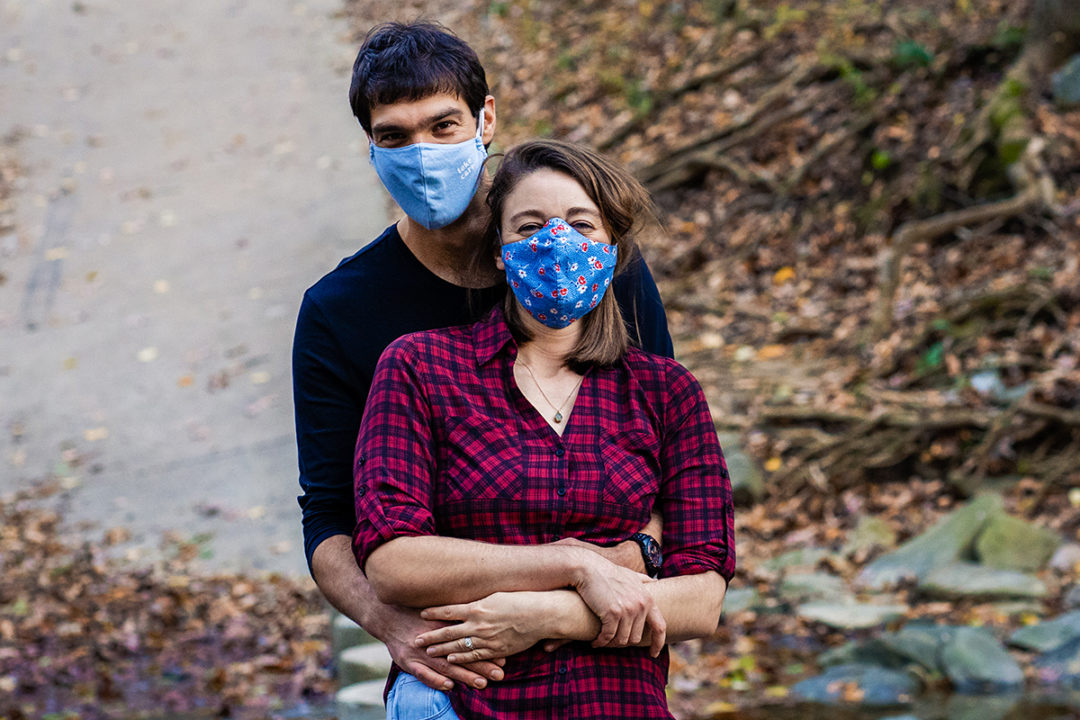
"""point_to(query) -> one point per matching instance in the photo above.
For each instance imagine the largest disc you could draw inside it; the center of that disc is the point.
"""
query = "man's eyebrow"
(444, 114)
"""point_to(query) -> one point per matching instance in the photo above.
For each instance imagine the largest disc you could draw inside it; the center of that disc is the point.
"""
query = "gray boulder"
(1048, 635)
(851, 615)
(1067, 558)
(963, 580)
(942, 544)
(739, 599)
(1060, 666)
(806, 557)
(798, 587)
(1009, 543)
(1072, 598)
(976, 663)
(920, 644)
(856, 683)
(1066, 83)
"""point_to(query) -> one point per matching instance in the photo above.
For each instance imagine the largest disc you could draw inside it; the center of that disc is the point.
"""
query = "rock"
(942, 544)
(870, 652)
(961, 580)
(799, 587)
(346, 634)
(1048, 635)
(976, 663)
(363, 662)
(920, 644)
(851, 615)
(747, 482)
(361, 701)
(739, 599)
(973, 707)
(1009, 543)
(800, 558)
(1066, 83)
(869, 533)
(1067, 558)
(1072, 598)
(1060, 666)
(855, 683)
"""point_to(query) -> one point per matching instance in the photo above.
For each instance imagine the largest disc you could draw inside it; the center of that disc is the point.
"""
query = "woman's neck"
(547, 351)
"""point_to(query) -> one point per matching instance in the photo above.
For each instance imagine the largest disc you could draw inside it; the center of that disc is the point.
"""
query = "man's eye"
(445, 125)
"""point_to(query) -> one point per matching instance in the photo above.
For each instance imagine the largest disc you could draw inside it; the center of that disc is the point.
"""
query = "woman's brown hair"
(625, 207)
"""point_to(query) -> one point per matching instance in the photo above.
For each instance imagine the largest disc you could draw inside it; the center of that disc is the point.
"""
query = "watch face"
(651, 551)
(652, 548)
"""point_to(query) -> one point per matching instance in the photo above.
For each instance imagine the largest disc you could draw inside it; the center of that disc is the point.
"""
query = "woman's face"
(542, 195)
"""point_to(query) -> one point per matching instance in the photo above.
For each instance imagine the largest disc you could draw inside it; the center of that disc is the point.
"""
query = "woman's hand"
(625, 608)
(499, 625)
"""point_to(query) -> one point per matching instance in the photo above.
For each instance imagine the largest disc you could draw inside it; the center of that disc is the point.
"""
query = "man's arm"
(345, 587)
(328, 401)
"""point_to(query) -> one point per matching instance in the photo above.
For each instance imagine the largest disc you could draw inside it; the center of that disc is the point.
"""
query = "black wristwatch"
(650, 553)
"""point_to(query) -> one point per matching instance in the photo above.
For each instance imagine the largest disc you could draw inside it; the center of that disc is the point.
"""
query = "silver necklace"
(558, 417)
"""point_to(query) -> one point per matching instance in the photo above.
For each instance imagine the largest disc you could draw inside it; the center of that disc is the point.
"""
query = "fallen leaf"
(95, 434)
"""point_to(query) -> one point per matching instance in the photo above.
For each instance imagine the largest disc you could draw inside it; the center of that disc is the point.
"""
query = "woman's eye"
(529, 228)
(582, 226)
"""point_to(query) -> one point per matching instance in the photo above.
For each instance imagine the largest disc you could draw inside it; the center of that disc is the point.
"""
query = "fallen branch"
(775, 97)
(667, 99)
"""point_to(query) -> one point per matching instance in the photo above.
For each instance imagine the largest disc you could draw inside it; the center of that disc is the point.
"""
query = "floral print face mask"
(558, 275)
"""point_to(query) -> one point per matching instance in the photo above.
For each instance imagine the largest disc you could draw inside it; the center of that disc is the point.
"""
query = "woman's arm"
(505, 623)
(430, 570)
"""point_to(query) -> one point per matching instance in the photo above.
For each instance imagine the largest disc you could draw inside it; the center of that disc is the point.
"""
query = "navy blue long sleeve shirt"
(348, 318)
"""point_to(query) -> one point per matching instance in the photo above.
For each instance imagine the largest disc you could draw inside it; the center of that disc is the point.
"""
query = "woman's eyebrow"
(526, 214)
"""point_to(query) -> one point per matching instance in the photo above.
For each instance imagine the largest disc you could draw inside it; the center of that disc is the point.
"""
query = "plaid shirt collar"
(491, 335)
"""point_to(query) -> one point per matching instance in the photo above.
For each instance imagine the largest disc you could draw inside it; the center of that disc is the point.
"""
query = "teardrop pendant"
(558, 417)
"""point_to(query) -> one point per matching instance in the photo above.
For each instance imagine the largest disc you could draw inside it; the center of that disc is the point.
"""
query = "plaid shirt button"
(559, 452)
(561, 492)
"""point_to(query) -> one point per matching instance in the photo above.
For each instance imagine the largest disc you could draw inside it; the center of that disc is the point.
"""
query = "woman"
(488, 452)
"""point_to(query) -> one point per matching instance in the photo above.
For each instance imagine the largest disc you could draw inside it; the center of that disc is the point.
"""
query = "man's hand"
(340, 580)
(627, 553)
(619, 599)
(400, 628)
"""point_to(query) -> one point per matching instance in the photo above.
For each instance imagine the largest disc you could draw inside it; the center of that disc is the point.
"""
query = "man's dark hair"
(412, 61)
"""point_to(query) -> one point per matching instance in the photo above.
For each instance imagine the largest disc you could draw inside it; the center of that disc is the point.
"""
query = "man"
(421, 96)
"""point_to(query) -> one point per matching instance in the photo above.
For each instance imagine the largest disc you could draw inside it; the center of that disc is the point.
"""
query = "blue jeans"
(410, 699)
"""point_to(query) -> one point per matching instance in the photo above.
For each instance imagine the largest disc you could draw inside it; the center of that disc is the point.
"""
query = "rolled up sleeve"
(695, 493)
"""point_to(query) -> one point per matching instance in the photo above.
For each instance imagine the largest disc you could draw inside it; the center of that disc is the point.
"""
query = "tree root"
(1037, 191)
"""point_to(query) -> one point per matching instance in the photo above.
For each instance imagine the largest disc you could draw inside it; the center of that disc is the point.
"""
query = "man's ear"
(489, 120)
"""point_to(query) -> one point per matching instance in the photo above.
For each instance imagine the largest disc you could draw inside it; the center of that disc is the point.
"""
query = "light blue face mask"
(432, 182)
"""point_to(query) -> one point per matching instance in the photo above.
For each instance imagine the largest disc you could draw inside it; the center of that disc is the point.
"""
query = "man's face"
(439, 118)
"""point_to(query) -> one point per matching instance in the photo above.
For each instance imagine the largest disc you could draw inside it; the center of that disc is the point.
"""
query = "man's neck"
(448, 252)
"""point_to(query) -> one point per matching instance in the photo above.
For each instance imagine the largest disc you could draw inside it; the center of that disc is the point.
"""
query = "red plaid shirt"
(449, 446)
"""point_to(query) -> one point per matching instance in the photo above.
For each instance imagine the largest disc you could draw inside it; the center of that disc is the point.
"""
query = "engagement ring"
(468, 643)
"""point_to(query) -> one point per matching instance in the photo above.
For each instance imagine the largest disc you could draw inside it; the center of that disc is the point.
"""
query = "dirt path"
(190, 167)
